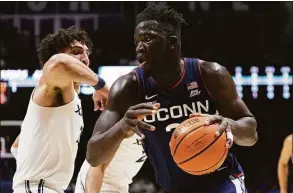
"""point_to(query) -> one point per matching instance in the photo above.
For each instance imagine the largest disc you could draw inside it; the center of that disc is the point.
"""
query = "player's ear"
(173, 41)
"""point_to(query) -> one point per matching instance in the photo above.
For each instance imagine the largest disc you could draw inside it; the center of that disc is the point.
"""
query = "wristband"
(101, 84)
(230, 135)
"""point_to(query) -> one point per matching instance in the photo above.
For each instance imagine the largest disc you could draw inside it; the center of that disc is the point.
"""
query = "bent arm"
(286, 153)
(62, 69)
(222, 88)
(108, 134)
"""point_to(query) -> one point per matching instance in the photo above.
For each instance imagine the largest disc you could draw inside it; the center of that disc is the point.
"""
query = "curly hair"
(55, 43)
(164, 15)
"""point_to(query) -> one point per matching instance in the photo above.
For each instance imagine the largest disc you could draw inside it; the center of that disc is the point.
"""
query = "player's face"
(80, 52)
(151, 47)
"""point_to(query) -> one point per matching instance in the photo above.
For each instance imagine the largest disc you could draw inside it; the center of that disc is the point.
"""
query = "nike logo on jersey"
(149, 98)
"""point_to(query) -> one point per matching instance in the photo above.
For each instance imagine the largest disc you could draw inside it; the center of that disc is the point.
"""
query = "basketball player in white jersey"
(51, 129)
(116, 175)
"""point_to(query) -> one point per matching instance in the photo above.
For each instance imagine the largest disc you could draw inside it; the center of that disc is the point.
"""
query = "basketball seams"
(198, 127)
(204, 149)
(224, 154)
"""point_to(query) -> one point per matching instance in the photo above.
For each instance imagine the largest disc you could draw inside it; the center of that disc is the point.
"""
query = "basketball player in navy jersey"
(166, 89)
(283, 166)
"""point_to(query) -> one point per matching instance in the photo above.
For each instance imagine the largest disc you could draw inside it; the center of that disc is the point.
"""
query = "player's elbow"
(56, 69)
(92, 161)
(251, 137)
(282, 166)
(55, 65)
(247, 141)
(248, 136)
(90, 155)
(57, 62)
(93, 156)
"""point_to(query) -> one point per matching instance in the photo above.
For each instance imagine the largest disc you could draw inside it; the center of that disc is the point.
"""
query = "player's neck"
(170, 76)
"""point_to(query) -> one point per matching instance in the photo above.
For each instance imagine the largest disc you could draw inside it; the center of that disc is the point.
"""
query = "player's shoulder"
(125, 84)
(125, 81)
(212, 68)
(217, 80)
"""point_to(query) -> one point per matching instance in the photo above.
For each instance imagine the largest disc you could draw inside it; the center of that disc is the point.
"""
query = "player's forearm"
(102, 147)
(70, 69)
(94, 179)
(244, 131)
(283, 176)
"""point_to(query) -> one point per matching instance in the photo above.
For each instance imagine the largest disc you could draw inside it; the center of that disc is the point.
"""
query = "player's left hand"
(100, 98)
(224, 126)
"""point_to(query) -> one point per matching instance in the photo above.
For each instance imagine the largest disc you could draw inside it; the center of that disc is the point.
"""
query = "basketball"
(195, 147)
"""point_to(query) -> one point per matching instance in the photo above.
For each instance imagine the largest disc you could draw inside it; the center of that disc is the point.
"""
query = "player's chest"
(174, 106)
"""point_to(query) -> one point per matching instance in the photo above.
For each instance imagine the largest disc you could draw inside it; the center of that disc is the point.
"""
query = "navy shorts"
(231, 185)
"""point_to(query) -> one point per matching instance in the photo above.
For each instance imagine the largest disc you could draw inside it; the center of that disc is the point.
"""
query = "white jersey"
(126, 163)
(48, 144)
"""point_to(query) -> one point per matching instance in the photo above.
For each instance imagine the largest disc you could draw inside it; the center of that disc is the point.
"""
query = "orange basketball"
(196, 149)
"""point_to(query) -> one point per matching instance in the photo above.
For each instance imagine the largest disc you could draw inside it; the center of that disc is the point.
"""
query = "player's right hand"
(132, 120)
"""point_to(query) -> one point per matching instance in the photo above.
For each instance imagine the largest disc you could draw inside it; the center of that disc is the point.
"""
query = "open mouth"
(141, 58)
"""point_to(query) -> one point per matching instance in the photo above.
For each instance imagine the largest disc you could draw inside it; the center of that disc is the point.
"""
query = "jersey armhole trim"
(182, 75)
(138, 82)
(201, 77)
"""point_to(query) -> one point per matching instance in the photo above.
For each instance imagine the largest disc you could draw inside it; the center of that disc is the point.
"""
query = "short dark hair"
(55, 43)
(163, 14)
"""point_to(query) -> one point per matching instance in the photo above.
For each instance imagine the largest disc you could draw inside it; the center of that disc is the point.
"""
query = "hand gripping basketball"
(132, 120)
(225, 126)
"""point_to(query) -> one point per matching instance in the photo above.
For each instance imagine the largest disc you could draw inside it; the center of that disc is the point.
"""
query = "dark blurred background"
(252, 39)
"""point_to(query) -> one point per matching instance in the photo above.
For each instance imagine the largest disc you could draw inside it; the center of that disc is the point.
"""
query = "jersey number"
(171, 127)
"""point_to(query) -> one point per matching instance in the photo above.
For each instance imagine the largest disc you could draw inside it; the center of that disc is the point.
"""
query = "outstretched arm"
(222, 88)
(62, 69)
(60, 73)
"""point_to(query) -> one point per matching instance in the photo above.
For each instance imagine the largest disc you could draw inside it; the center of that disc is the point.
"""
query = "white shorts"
(106, 188)
(40, 187)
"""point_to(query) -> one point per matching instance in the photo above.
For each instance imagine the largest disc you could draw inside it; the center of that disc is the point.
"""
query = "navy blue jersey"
(189, 95)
